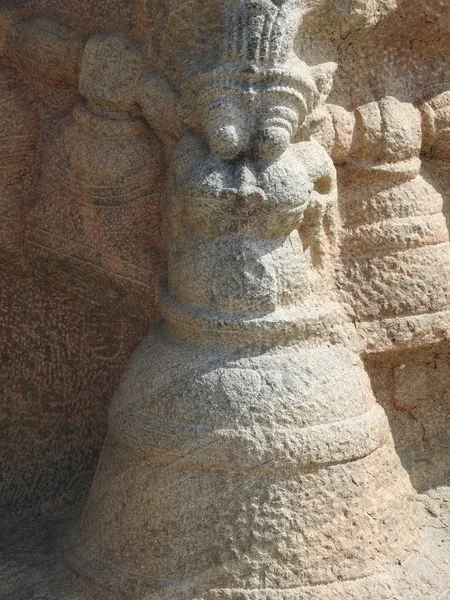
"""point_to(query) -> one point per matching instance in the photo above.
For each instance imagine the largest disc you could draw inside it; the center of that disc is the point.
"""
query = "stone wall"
(79, 291)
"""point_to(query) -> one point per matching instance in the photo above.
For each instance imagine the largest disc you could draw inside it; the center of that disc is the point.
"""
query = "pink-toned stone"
(172, 162)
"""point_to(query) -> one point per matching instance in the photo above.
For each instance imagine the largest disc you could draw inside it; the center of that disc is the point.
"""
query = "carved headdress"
(258, 66)
(258, 47)
(240, 70)
(260, 31)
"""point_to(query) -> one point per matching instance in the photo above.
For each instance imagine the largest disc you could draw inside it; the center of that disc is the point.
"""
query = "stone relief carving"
(435, 120)
(394, 249)
(245, 448)
(240, 190)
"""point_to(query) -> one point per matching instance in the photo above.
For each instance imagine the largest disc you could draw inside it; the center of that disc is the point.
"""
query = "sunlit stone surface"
(227, 263)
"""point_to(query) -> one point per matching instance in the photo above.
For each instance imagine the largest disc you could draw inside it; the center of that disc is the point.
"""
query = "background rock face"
(78, 296)
(81, 256)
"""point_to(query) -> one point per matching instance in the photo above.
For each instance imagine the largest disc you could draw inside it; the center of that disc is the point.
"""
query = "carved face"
(244, 196)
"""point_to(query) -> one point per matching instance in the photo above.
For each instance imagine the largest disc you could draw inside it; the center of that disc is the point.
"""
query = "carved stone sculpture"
(395, 250)
(244, 392)
(194, 167)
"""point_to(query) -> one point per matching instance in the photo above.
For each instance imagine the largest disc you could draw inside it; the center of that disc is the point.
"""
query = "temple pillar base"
(249, 472)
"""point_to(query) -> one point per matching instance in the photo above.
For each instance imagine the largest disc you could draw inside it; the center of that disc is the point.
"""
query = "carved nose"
(250, 196)
(245, 175)
(248, 191)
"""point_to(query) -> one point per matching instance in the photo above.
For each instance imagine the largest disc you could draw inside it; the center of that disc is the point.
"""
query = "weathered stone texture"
(250, 199)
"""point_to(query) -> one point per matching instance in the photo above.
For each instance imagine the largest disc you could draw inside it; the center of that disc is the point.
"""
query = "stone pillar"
(246, 456)
(394, 273)
(395, 251)
(98, 191)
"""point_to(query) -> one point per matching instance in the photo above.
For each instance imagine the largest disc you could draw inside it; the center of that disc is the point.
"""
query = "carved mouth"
(231, 215)
(236, 201)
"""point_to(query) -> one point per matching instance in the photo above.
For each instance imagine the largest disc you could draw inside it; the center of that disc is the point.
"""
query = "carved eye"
(278, 121)
(226, 141)
(272, 142)
(323, 185)
(226, 125)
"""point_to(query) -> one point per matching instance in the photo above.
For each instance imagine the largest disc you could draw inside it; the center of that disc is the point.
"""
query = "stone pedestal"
(242, 473)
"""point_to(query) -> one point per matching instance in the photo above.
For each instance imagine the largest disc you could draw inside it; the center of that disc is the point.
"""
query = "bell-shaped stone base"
(242, 474)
